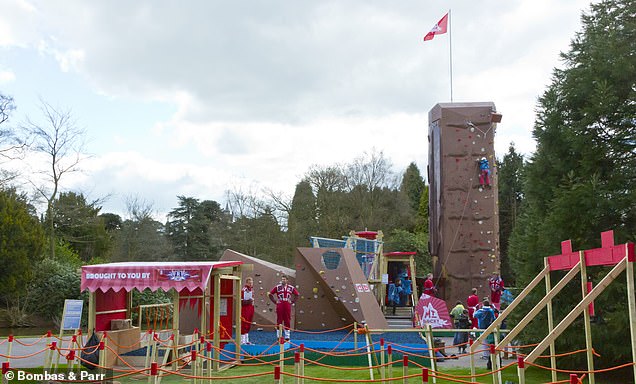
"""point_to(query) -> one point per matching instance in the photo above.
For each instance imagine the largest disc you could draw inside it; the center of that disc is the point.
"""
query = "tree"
(302, 216)
(189, 229)
(413, 185)
(510, 173)
(581, 179)
(21, 243)
(61, 141)
(141, 237)
(11, 147)
(78, 222)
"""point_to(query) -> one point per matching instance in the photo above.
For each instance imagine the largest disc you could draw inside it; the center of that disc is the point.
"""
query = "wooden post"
(367, 336)
(493, 362)
(102, 357)
(521, 370)
(586, 322)
(297, 366)
(631, 300)
(548, 288)
(216, 322)
(405, 369)
(281, 350)
(194, 364)
(471, 348)
(382, 367)
(497, 356)
(431, 349)
(355, 335)
(238, 311)
(175, 327)
(92, 312)
(151, 351)
(389, 352)
(302, 363)
(9, 348)
(53, 350)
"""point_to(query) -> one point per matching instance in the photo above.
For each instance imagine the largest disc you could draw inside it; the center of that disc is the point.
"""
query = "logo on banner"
(431, 316)
(179, 275)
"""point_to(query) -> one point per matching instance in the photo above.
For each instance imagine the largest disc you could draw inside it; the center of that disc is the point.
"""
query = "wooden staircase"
(403, 317)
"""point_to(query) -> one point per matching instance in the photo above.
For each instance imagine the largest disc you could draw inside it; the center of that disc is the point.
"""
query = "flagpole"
(450, 53)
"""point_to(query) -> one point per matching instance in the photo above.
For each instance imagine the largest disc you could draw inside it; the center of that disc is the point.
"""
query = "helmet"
(483, 158)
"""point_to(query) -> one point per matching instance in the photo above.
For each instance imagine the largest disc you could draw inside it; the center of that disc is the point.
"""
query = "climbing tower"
(463, 223)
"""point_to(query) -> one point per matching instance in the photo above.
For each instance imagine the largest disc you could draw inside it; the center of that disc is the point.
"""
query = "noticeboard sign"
(72, 316)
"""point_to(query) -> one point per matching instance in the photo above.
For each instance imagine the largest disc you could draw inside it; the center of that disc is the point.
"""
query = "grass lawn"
(342, 374)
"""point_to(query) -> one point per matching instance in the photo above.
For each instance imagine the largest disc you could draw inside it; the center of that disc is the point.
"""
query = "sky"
(195, 98)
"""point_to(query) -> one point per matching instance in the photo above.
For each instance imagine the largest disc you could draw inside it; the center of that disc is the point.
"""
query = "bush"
(53, 282)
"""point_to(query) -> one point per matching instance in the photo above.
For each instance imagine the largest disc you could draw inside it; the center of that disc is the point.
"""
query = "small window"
(331, 260)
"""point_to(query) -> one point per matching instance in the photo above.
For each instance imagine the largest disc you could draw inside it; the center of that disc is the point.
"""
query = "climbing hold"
(315, 290)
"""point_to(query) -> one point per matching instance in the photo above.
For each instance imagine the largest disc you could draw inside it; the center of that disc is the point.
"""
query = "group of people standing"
(283, 295)
(478, 316)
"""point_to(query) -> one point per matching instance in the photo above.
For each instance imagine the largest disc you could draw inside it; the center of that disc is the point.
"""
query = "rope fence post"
(472, 358)
(154, 370)
(48, 363)
(297, 366)
(281, 353)
(49, 354)
(493, 363)
(382, 366)
(302, 363)
(355, 335)
(405, 369)
(148, 348)
(277, 375)
(208, 348)
(193, 364)
(9, 347)
(5, 368)
(389, 352)
(101, 359)
(521, 370)
(431, 349)
(70, 357)
(367, 336)
(150, 353)
(201, 352)
(424, 375)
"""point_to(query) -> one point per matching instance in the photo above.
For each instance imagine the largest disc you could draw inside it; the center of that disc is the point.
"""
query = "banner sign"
(72, 315)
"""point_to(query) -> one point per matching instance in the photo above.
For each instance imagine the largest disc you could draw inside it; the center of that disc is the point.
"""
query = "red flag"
(438, 29)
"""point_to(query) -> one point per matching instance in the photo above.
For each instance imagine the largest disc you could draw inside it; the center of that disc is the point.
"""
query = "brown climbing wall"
(464, 222)
(266, 276)
(334, 292)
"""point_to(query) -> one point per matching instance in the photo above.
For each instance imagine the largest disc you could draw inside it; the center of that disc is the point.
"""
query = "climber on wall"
(484, 172)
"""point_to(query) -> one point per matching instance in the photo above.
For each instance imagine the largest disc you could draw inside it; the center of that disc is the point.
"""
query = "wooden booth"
(203, 295)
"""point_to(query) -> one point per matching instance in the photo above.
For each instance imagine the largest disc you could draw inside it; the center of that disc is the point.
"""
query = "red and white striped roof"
(188, 275)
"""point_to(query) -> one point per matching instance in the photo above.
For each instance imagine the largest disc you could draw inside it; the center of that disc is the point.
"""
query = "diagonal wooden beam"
(540, 305)
(510, 308)
(581, 306)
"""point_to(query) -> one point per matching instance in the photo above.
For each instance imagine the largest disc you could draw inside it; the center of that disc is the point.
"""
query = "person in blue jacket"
(485, 316)
(484, 172)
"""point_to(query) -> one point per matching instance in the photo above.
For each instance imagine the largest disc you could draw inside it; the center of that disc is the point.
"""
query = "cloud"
(6, 76)
(261, 92)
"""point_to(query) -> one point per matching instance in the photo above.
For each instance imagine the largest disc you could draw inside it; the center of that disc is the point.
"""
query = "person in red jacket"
(283, 295)
(247, 310)
(496, 287)
(472, 303)
(429, 287)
